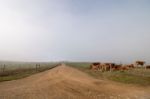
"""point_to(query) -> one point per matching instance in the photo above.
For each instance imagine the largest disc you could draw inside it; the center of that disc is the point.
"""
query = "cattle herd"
(113, 66)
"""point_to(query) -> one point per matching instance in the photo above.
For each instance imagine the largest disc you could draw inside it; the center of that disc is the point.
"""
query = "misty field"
(17, 70)
(137, 76)
(72, 81)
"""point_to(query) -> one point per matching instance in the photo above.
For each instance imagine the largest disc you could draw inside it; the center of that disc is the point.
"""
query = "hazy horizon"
(75, 30)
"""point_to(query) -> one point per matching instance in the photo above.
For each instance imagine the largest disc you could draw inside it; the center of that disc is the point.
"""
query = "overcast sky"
(75, 30)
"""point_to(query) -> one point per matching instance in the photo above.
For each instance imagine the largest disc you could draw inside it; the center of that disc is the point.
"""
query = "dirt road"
(64, 82)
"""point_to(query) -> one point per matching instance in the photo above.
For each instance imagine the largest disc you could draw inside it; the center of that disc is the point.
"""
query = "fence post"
(36, 67)
(4, 67)
(39, 66)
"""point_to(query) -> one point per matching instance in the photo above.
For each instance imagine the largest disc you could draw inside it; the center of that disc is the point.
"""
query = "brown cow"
(148, 67)
(117, 67)
(124, 68)
(107, 66)
(120, 67)
(141, 63)
(130, 66)
(95, 66)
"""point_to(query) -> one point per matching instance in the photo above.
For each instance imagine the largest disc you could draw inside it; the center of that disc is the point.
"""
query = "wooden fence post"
(39, 66)
(4, 67)
(36, 67)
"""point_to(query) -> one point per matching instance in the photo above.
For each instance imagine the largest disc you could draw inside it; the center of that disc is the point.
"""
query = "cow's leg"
(110, 68)
(105, 68)
(102, 68)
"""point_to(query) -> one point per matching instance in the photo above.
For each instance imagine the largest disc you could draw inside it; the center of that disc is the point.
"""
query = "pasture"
(16, 70)
(137, 76)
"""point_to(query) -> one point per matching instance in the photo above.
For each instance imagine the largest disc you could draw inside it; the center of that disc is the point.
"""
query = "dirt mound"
(64, 82)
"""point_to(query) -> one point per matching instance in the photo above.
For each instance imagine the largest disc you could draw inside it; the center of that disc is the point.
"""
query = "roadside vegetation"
(138, 76)
(16, 70)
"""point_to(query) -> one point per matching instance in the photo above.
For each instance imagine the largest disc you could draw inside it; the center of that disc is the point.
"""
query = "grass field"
(17, 70)
(138, 76)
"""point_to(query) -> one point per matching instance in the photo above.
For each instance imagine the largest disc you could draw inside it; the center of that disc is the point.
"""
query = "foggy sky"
(75, 30)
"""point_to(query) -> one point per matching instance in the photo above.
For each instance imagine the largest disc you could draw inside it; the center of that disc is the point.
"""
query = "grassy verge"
(19, 73)
(135, 76)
